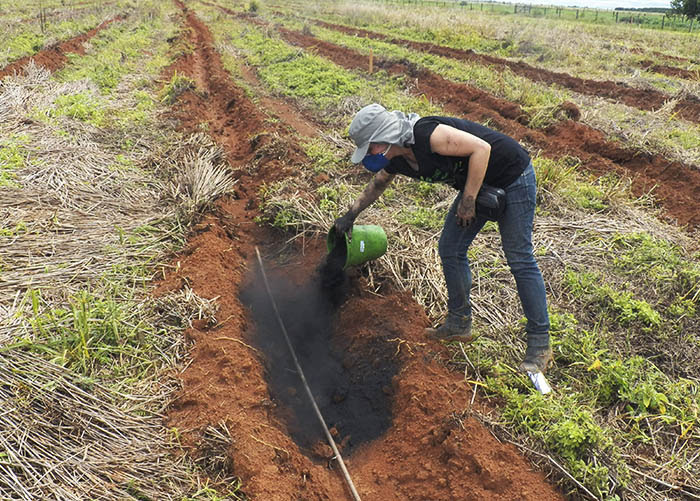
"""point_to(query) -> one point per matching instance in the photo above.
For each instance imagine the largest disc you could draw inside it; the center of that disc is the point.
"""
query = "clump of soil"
(570, 111)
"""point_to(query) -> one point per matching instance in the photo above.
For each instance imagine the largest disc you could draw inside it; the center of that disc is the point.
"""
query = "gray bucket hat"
(374, 124)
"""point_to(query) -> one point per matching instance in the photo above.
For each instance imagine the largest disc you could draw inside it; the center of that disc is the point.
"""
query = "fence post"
(663, 20)
(576, 13)
(616, 15)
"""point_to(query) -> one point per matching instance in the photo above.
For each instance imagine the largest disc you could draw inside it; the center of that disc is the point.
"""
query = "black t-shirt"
(507, 161)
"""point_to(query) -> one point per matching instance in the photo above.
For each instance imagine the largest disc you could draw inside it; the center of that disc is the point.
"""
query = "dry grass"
(82, 209)
(74, 203)
(74, 443)
(650, 132)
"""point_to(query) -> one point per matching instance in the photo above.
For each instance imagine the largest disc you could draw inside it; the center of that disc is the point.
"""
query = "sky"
(604, 4)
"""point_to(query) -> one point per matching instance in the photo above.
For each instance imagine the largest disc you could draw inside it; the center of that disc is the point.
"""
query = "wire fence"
(645, 19)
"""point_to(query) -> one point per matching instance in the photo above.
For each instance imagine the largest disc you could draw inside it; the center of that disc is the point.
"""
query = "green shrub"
(177, 85)
(82, 106)
(13, 156)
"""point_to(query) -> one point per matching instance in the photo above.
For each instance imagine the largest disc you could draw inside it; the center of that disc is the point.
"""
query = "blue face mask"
(376, 162)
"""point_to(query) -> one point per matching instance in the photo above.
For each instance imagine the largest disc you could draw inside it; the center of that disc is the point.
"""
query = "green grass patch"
(657, 263)
(560, 177)
(82, 106)
(622, 305)
(25, 44)
(115, 52)
(312, 80)
(102, 331)
(688, 139)
(591, 382)
(140, 112)
(177, 85)
(13, 157)
(323, 159)
(566, 424)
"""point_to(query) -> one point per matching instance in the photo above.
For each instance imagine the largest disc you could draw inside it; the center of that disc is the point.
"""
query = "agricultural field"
(150, 149)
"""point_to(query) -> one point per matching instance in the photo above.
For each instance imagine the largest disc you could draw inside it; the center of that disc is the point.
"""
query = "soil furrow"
(670, 71)
(432, 450)
(644, 99)
(54, 58)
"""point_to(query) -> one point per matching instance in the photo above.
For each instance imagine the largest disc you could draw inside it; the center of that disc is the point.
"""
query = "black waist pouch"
(490, 202)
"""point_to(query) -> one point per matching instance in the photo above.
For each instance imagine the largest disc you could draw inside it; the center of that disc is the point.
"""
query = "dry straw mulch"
(81, 210)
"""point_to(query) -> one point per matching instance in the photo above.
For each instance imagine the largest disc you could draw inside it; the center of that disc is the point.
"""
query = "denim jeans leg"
(452, 247)
(515, 226)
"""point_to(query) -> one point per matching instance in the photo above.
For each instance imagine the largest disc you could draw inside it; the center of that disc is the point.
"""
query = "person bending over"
(464, 155)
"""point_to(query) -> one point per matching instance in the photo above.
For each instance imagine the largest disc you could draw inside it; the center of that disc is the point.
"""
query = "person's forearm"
(478, 162)
(371, 193)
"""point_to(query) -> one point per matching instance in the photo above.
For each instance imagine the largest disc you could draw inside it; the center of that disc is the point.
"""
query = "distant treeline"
(659, 10)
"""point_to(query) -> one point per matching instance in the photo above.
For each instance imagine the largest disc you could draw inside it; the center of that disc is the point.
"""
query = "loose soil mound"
(54, 58)
(670, 71)
(432, 448)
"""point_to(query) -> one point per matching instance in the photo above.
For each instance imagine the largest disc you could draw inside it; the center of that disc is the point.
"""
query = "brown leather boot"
(537, 359)
(452, 330)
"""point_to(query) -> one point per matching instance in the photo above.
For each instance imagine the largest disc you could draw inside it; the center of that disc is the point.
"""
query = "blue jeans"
(515, 226)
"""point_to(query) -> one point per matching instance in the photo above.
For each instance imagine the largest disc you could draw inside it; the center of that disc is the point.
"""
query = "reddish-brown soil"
(644, 99)
(660, 56)
(671, 71)
(433, 448)
(54, 58)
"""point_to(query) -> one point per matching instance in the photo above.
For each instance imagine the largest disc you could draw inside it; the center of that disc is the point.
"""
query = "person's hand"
(344, 223)
(466, 211)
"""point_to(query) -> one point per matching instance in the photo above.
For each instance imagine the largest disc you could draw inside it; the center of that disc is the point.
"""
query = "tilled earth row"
(54, 57)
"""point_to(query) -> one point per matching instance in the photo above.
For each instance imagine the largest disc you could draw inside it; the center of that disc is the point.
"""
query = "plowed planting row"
(670, 71)
(432, 449)
(661, 55)
(643, 99)
(54, 58)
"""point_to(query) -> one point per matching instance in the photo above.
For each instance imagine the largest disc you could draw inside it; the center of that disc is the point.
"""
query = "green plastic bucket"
(368, 242)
